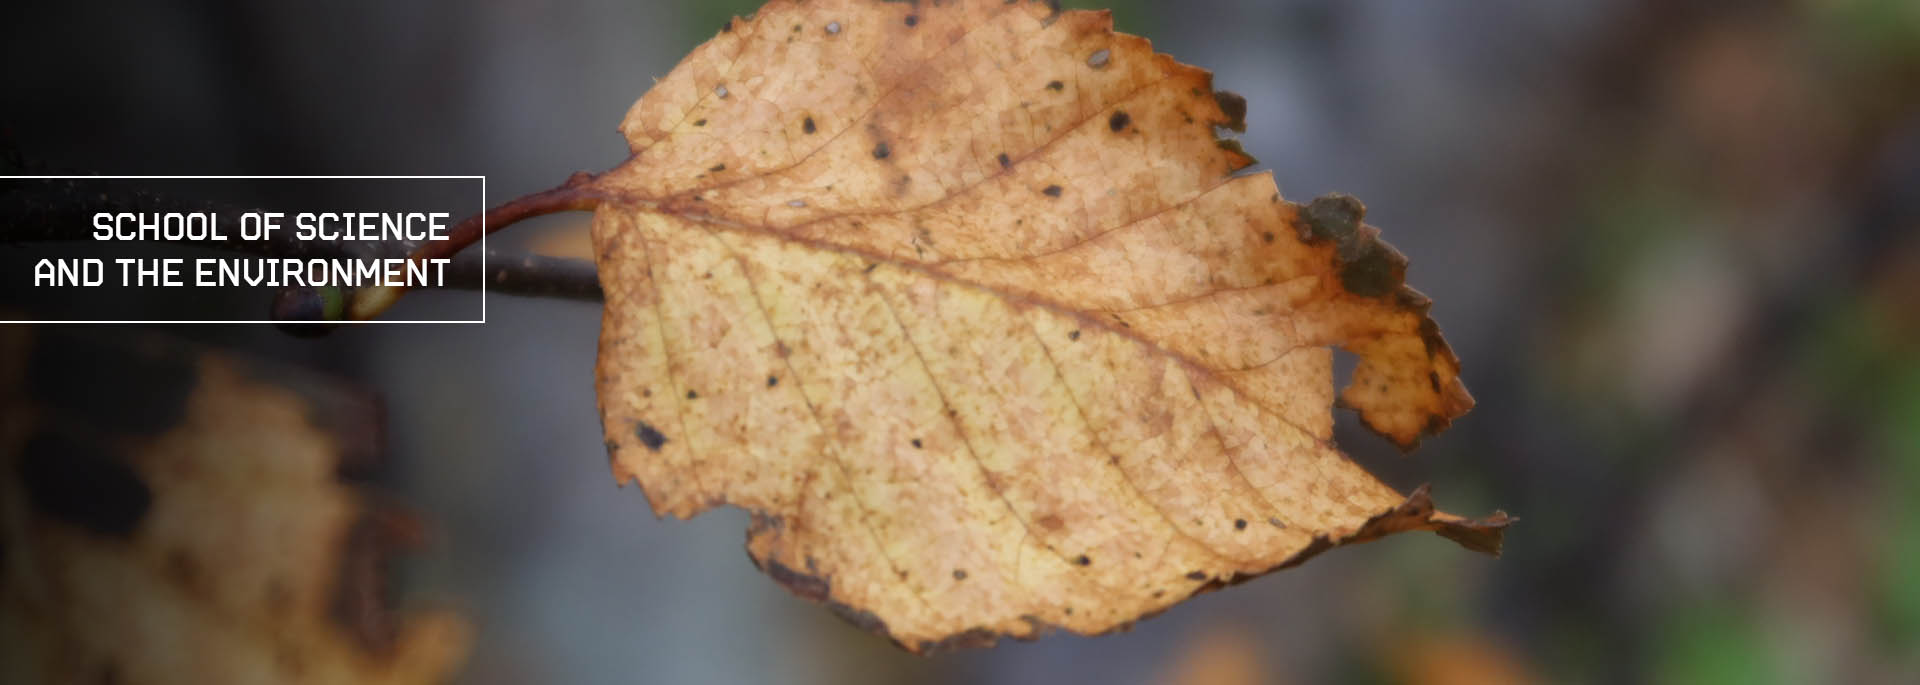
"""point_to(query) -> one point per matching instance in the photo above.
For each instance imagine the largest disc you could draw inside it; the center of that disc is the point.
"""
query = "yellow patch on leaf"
(965, 302)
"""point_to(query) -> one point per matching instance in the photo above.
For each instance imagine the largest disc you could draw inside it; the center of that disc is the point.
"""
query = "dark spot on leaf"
(1056, 86)
(1118, 122)
(1100, 58)
(717, 168)
(808, 586)
(1052, 191)
(1242, 159)
(700, 122)
(913, 20)
(959, 574)
(1083, 560)
(760, 522)
(1334, 217)
(860, 618)
(693, 395)
(1239, 524)
(1197, 575)
(83, 485)
(807, 126)
(1235, 107)
(1005, 162)
(1268, 236)
(773, 381)
(971, 638)
(649, 436)
(1374, 273)
(1075, 335)
(881, 151)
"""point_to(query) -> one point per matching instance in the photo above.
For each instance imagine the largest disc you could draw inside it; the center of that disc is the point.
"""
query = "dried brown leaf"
(965, 302)
(172, 515)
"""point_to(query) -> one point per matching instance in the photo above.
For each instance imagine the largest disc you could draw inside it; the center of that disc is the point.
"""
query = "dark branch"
(530, 275)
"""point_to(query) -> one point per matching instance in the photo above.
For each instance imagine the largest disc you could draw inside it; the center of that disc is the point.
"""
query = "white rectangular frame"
(104, 177)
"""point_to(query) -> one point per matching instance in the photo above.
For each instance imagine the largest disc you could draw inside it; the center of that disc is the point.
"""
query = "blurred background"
(1675, 243)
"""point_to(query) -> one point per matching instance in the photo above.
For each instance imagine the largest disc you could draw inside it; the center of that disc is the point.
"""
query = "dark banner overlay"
(217, 249)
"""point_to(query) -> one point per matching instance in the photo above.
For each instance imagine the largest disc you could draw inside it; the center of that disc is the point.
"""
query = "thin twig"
(575, 194)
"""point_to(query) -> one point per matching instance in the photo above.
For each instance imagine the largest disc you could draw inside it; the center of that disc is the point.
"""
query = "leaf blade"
(986, 333)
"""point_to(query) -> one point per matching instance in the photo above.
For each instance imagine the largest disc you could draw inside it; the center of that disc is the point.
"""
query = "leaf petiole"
(576, 194)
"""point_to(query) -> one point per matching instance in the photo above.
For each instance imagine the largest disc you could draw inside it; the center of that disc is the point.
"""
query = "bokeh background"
(1676, 244)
